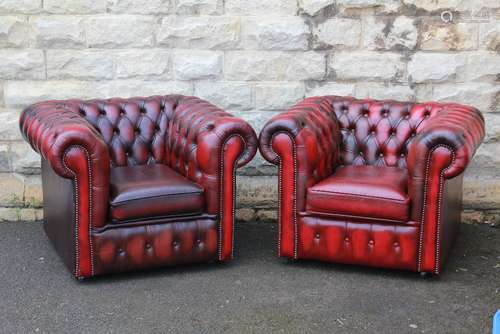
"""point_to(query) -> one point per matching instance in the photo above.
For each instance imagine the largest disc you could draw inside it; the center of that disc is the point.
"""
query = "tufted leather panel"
(362, 191)
(350, 241)
(379, 132)
(433, 141)
(83, 140)
(155, 244)
(133, 129)
(147, 191)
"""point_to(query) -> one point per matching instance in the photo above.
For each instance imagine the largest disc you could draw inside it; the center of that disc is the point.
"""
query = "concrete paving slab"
(256, 293)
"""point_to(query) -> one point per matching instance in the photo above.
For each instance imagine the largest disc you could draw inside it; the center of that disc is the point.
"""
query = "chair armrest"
(72, 147)
(207, 145)
(209, 128)
(441, 151)
(457, 128)
(53, 127)
(75, 150)
(305, 141)
(198, 136)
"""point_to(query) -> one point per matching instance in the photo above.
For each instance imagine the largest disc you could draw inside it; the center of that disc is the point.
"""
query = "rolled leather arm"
(53, 127)
(441, 150)
(456, 128)
(207, 144)
(73, 149)
(313, 141)
(200, 131)
(209, 129)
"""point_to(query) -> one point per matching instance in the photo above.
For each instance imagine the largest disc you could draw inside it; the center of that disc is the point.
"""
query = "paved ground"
(257, 293)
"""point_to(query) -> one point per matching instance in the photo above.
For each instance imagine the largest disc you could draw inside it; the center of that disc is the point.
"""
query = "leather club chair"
(376, 183)
(137, 183)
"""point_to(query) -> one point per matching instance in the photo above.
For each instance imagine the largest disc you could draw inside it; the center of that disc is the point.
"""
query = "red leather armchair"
(140, 182)
(367, 182)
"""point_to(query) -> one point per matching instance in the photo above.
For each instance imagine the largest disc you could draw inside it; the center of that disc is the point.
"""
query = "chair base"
(152, 244)
(375, 244)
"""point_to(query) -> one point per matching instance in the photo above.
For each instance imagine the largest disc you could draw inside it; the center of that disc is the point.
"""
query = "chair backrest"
(379, 132)
(135, 129)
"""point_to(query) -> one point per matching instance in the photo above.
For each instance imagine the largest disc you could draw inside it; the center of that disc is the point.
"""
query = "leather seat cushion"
(148, 191)
(362, 191)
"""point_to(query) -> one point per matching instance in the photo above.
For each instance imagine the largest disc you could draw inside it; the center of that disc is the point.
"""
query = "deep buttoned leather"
(147, 191)
(362, 191)
(433, 142)
(354, 241)
(85, 141)
(149, 244)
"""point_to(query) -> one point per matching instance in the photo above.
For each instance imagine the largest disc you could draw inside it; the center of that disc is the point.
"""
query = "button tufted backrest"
(134, 129)
(379, 132)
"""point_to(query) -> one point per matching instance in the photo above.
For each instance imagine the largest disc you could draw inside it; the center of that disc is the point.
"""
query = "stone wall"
(251, 57)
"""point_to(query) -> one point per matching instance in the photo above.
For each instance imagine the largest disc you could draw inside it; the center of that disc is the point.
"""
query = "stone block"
(481, 194)
(20, 94)
(226, 95)
(5, 158)
(204, 32)
(24, 159)
(492, 121)
(152, 7)
(439, 36)
(33, 193)
(435, 67)
(76, 7)
(481, 65)
(148, 64)
(489, 35)
(367, 66)
(14, 32)
(12, 190)
(81, 64)
(337, 32)
(199, 7)
(389, 33)
(316, 88)
(120, 31)
(385, 6)
(278, 96)
(257, 192)
(384, 91)
(9, 125)
(274, 65)
(130, 88)
(313, 7)
(189, 65)
(58, 32)
(245, 214)
(20, 6)
(483, 96)
(276, 33)
(22, 64)
(261, 8)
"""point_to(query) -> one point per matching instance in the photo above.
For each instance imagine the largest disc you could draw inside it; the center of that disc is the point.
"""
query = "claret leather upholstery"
(140, 182)
(368, 182)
